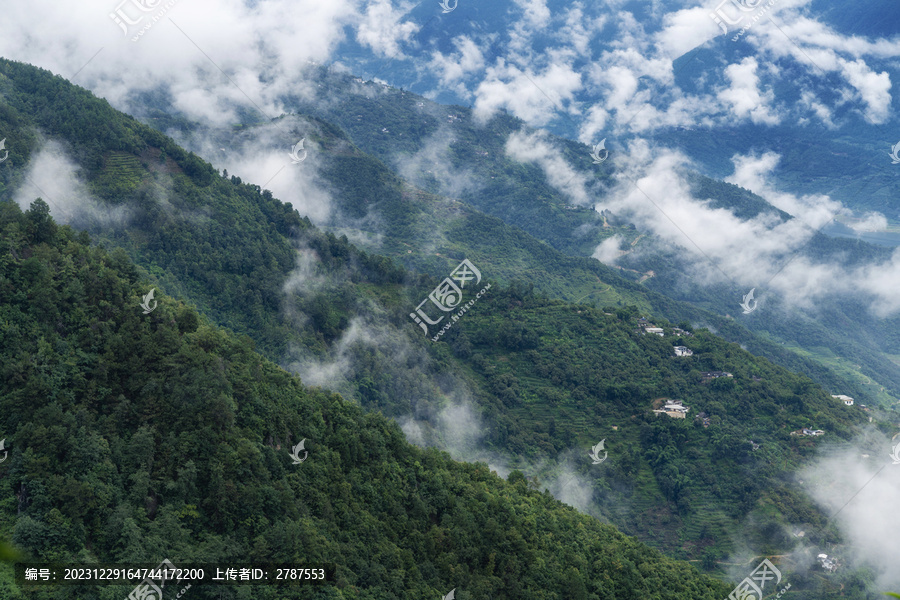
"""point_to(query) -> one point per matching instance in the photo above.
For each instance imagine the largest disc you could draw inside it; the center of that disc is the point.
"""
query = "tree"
(187, 320)
(40, 227)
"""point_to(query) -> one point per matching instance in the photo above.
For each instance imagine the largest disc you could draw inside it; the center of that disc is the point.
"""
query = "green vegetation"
(519, 195)
(136, 437)
(548, 379)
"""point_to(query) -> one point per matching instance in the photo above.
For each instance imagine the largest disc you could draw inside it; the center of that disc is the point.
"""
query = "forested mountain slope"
(136, 437)
(177, 208)
(340, 318)
(840, 334)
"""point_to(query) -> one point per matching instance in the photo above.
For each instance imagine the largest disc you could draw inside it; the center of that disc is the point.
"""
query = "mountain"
(548, 381)
(136, 436)
(443, 149)
(523, 195)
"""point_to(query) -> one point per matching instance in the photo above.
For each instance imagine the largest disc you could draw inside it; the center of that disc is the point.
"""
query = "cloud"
(434, 160)
(816, 48)
(880, 282)
(458, 428)
(744, 97)
(756, 173)
(304, 279)
(569, 486)
(531, 96)
(254, 54)
(453, 68)
(865, 499)
(605, 68)
(593, 124)
(208, 56)
(260, 155)
(52, 176)
(764, 251)
(383, 29)
(335, 371)
(579, 28)
(824, 114)
(686, 29)
(536, 13)
(872, 221)
(608, 252)
(535, 148)
(874, 89)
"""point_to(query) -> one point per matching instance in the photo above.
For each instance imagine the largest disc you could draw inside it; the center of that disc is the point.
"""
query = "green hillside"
(549, 381)
(135, 437)
(192, 257)
(840, 337)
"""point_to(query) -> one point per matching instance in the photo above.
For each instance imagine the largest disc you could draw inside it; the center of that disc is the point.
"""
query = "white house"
(674, 408)
(829, 564)
(656, 330)
(683, 351)
(847, 399)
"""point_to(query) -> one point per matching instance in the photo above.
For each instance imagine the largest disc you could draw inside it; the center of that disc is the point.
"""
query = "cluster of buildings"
(648, 327)
(829, 564)
(673, 408)
(806, 431)
(707, 375)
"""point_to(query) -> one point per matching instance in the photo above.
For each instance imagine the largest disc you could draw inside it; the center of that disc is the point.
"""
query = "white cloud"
(579, 28)
(535, 12)
(263, 49)
(880, 281)
(764, 251)
(434, 160)
(534, 148)
(872, 221)
(453, 68)
(744, 98)
(686, 29)
(383, 29)
(756, 174)
(594, 123)
(53, 176)
(874, 88)
(260, 155)
(608, 251)
(534, 97)
(864, 499)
